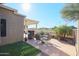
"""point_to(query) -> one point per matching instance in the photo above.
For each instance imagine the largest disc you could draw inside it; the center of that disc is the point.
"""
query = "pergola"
(28, 22)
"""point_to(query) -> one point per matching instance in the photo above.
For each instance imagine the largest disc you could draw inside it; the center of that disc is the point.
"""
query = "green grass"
(18, 49)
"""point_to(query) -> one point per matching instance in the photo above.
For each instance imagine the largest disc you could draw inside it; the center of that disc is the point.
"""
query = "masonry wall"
(14, 26)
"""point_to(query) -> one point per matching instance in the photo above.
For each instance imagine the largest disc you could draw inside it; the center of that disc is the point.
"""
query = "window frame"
(3, 27)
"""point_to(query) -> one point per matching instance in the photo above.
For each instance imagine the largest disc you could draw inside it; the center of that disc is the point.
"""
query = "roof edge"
(6, 7)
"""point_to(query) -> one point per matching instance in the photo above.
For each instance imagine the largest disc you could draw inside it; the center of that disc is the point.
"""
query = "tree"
(73, 27)
(71, 12)
(63, 31)
(54, 27)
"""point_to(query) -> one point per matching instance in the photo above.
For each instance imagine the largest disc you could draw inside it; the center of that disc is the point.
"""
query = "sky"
(48, 14)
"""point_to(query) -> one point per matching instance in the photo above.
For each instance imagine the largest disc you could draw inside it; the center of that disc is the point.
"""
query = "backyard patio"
(54, 47)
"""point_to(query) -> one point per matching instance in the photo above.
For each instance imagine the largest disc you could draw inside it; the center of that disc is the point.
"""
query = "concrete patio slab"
(48, 49)
(64, 46)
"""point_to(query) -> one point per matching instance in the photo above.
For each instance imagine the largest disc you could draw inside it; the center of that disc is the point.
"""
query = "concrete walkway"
(49, 48)
(64, 46)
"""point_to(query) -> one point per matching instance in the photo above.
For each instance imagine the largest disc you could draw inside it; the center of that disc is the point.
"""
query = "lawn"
(18, 49)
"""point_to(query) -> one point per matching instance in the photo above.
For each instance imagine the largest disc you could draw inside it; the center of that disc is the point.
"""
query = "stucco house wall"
(14, 26)
(77, 39)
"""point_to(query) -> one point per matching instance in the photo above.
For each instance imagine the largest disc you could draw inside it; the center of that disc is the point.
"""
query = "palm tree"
(71, 12)
(63, 31)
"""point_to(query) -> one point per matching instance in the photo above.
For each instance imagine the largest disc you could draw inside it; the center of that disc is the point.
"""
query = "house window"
(3, 27)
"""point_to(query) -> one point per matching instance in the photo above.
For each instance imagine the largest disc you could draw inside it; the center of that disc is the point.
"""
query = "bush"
(37, 36)
(42, 33)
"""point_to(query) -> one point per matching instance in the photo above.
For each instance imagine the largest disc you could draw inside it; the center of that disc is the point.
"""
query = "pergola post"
(36, 26)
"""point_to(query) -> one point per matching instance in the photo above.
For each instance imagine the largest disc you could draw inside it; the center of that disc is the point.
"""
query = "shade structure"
(30, 22)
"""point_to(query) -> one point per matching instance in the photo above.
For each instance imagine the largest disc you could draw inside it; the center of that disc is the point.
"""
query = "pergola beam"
(30, 22)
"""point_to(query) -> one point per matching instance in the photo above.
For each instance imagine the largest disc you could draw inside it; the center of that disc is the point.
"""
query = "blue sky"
(48, 14)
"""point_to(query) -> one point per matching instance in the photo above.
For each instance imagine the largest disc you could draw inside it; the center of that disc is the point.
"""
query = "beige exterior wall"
(77, 40)
(14, 26)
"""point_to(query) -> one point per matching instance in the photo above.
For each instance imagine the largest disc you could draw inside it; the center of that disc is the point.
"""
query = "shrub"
(37, 36)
